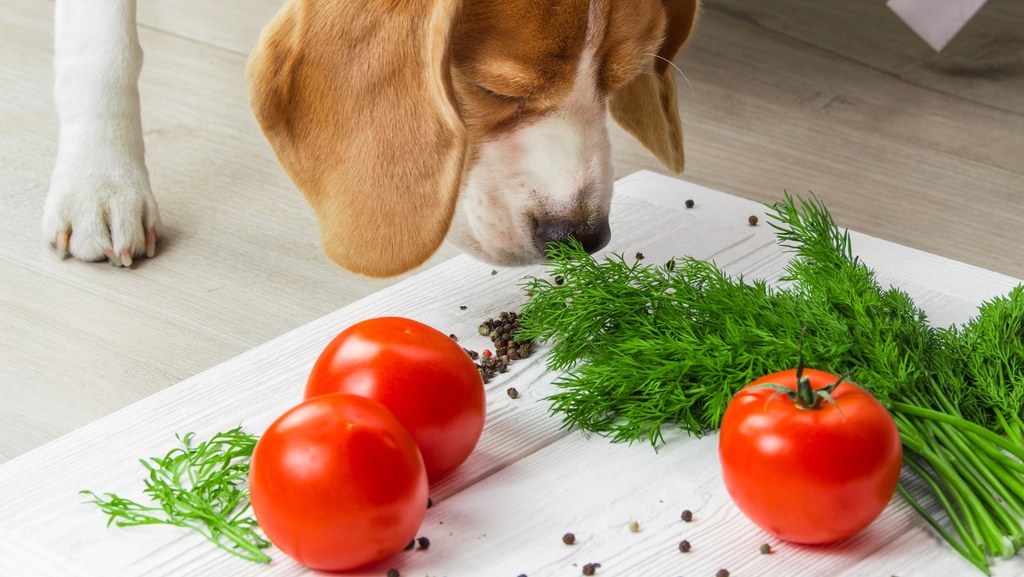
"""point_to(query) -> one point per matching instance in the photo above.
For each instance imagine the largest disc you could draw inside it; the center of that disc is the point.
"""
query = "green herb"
(643, 347)
(201, 487)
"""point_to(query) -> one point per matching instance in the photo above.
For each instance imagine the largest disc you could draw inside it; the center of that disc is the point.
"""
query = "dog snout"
(592, 236)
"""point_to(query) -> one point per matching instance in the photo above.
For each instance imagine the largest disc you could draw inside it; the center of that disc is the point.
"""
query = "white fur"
(100, 205)
(556, 167)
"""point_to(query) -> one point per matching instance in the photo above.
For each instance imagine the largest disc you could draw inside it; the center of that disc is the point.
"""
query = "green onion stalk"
(645, 346)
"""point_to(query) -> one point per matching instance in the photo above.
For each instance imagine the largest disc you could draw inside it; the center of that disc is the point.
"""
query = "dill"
(200, 486)
(645, 347)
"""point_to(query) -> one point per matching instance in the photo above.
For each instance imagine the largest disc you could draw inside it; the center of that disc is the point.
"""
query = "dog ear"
(646, 105)
(357, 103)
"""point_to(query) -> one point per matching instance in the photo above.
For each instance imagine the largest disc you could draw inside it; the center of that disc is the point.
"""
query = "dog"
(403, 122)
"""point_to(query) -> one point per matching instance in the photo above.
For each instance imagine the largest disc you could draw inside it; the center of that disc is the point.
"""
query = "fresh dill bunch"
(991, 348)
(201, 486)
(642, 347)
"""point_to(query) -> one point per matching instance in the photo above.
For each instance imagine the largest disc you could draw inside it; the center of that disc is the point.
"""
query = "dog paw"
(110, 216)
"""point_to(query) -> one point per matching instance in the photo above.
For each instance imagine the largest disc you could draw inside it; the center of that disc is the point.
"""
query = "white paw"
(108, 216)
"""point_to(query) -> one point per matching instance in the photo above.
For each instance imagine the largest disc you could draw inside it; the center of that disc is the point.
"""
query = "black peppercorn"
(590, 568)
(684, 546)
(393, 573)
(752, 220)
(687, 515)
(423, 542)
(689, 203)
(569, 539)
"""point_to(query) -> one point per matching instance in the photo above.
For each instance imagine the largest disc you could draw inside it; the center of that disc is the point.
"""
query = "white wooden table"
(528, 482)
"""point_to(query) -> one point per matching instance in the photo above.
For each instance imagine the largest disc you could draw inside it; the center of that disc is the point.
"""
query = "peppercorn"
(684, 546)
(634, 526)
(752, 220)
(639, 255)
(722, 573)
(569, 539)
(423, 542)
(590, 568)
(463, 307)
(393, 573)
(687, 515)
(512, 393)
(766, 549)
(689, 203)
(453, 337)
(559, 280)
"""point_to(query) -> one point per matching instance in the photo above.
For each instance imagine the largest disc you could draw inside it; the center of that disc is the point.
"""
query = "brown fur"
(372, 107)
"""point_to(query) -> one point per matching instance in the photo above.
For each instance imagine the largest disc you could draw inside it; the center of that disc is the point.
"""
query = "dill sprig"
(642, 347)
(200, 486)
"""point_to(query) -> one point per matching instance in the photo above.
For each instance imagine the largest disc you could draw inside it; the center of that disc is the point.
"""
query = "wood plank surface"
(529, 481)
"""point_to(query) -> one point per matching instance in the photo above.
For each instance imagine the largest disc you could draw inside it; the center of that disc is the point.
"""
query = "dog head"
(406, 121)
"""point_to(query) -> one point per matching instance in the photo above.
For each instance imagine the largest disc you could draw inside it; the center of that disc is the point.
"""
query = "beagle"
(406, 122)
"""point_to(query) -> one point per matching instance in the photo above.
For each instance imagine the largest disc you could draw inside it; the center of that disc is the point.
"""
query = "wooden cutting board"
(529, 481)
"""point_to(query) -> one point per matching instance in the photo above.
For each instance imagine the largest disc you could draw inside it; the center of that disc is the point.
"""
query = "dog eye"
(504, 98)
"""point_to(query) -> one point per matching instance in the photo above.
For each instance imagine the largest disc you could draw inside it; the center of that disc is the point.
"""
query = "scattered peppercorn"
(493, 272)
(752, 220)
(766, 549)
(569, 539)
(670, 265)
(684, 546)
(423, 542)
(559, 280)
(634, 526)
(507, 348)
(512, 393)
(639, 256)
(393, 573)
(453, 337)
(590, 568)
(689, 203)
(722, 573)
(687, 515)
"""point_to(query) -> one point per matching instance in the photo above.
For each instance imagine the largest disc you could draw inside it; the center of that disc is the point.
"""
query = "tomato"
(337, 482)
(421, 374)
(809, 475)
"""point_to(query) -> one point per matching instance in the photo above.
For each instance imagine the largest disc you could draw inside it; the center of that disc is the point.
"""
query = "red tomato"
(809, 475)
(337, 482)
(421, 374)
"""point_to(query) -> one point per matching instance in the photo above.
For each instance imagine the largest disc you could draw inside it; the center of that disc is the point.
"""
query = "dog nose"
(593, 237)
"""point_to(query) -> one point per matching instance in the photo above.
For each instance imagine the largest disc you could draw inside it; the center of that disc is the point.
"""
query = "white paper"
(936, 21)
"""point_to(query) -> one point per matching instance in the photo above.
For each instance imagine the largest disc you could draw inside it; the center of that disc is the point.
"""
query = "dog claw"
(151, 242)
(126, 259)
(63, 239)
